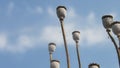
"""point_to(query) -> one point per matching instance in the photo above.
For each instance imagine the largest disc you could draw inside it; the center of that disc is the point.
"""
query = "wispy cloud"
(51, 11)
(71, 13)
(88, 35)
(53, 34)
(34, 10)
(10, 8)
(30, 37)
(24, 41)
(92, 34)
(38, 10)
(3, 40)
(91, 18)
(27, 9)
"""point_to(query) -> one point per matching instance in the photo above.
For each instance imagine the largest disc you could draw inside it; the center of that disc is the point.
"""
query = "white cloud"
(92, 34)
(51, 11)
(25, 41)
(51, 34)
(29, 37)
(3, 40)
(10, 8)
(89, 35)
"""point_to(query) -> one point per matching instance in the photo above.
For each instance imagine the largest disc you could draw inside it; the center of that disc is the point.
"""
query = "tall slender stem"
(119, 40)
(78, 54)
(119, 46)
(50, 59)
(65, 44)
(116, 47)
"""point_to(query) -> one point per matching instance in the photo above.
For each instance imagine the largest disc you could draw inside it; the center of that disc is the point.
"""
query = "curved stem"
(65, 44)
(78, 54)
(116, 47)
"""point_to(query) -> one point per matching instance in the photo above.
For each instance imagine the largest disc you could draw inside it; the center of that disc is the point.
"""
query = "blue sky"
(27, 27)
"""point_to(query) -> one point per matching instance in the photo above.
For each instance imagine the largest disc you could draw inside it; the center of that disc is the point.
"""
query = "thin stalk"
(50, 59)
(65, 44)
(119, 40)
(116, 46)
(78, 54)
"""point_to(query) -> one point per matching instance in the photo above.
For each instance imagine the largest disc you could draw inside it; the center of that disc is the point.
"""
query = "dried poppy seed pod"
(94, 65)
(51, 47)
(116, 28)
(61, 12)
(76, 36)
(107, 20)
(55, 64)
